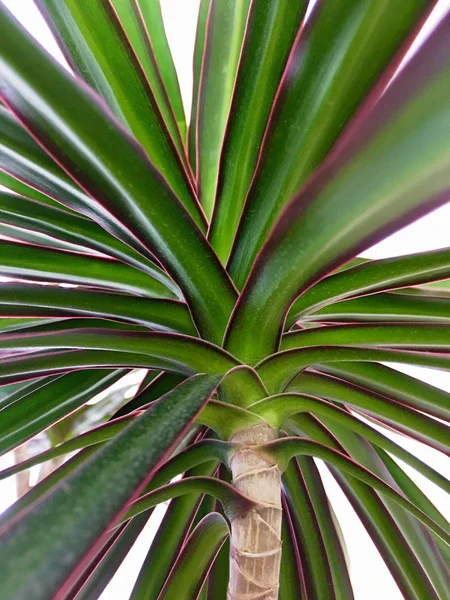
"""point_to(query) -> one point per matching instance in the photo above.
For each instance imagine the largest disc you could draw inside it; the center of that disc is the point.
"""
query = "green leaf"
(371, 277)
(152, 387)
(120, 178)
(376, 518)
(225, 28)
(11, 393)
(93, 496)
(315, 563)
(285, 448)
(194, 561)
(391, 167)
(435, 433)
(169, 539)
(280, 368)
(414, 493)
(417, 336)
(419, 539)
(14, 185)
(23, 212)
(342, 587)
(26, 161)
(41, 408)
(150, 11)
(242, 386)
(392, 384)
(159, 74)
(292, 581)
(109, 559)
(97, 49)
(185, 353)
(199, 49)
(336, 60)
(97, 435)
(269, 35)
(276, 409)
(33, 300)
(234, 503)
(57, 266)
(384, 308)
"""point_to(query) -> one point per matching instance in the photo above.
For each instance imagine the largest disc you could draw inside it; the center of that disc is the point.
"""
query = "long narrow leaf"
(23, 212)
(337, 58)
(97, 48)
(121, 177)
(39, 409)
(270, 33)
(114, 476)
(154, 23)
(51, 265)
(34, 300)
(223, 40)
(194, 562)
(371, 277)
(391, 168)
(393, 384)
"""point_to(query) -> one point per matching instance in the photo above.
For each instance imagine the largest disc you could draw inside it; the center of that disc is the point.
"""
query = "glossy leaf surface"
(97, 49)
(194, 561)
(115, 475)
(225, 28)
(269, 35)
(376, 183)
(123, 179)
(337, 58)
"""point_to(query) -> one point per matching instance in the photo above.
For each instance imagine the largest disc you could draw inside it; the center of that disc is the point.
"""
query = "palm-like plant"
(221, 258)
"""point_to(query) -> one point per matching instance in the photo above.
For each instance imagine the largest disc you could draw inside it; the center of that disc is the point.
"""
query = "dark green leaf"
(370, 277)
(120, 178)
(92, 496)
(376, 518)
(430, 430)
(194, 561)
(225, 29)
(384, 308)
(336, 60)
(40, 408)
(159, 74)
(392, 384)
(22, 212)
(419, 539)
(269, 35)
(186, 353)
(34, 300)
(169, 539)
(153, 20)
(276, 409)
(57, 266)
(391, 168)
(279, 369)
(417, 336)
(197, 70)
(25, 160)
(315, 563)
(97, 49)
(234, 503)
(285, 448)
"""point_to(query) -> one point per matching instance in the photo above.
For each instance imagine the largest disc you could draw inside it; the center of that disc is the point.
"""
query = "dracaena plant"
(222, 257)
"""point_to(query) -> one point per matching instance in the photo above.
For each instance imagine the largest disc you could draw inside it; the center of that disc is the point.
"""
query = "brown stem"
(255, 548)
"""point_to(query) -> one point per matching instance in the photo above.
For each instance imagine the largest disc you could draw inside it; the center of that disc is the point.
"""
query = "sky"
(370, 577)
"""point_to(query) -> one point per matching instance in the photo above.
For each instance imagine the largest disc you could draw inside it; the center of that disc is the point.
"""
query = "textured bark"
(255, 549)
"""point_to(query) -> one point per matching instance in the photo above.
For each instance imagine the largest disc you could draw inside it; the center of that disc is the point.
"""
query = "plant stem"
(255, 548)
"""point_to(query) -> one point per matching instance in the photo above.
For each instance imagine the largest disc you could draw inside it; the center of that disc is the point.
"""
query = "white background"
(370, 577)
